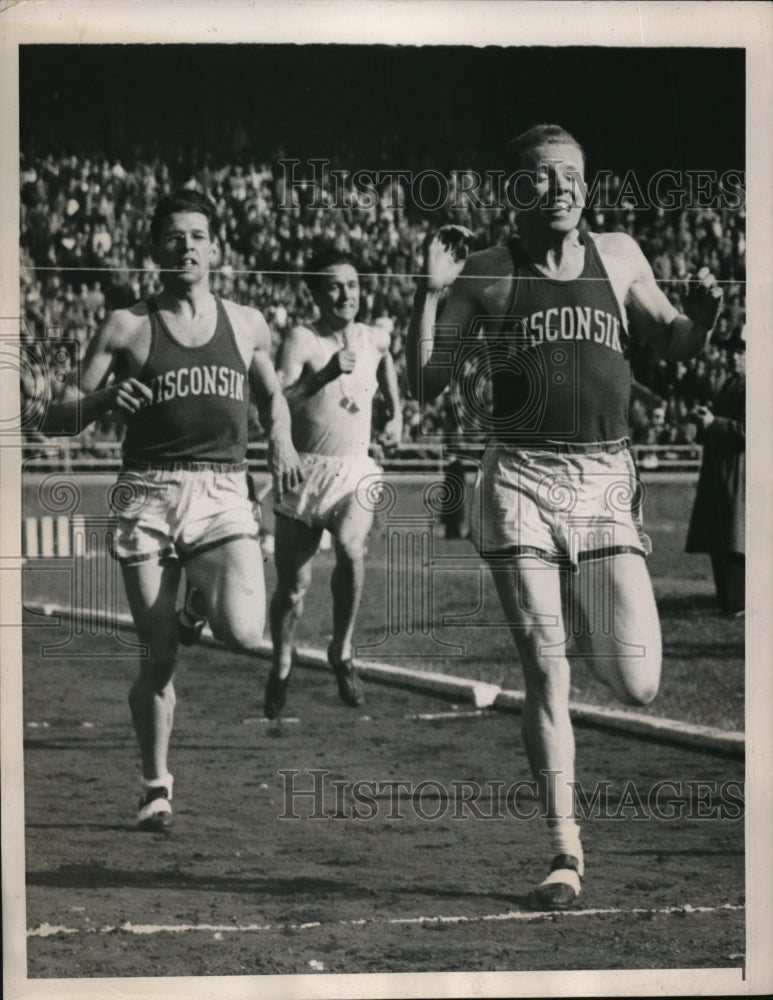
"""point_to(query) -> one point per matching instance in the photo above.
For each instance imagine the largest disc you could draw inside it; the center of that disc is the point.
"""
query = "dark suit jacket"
(719, 514)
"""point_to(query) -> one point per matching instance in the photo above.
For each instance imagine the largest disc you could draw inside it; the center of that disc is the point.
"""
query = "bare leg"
(230, 587)
(530, 593)
(531, 599)
(618, 631)
(151, 589)
(231, 591)
(229, 579)
(294, 547)
(350, 528)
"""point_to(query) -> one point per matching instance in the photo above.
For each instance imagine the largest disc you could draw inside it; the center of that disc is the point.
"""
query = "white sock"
(166, 782)
(565, 839)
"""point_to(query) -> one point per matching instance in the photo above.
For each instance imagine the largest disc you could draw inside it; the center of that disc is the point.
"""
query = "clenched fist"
(703, 302)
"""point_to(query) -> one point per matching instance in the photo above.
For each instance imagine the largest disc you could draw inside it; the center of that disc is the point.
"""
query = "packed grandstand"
(84, 252)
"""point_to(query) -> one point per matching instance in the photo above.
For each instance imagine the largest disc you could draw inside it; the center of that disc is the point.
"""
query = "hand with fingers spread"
(445, 256)
(703, 302)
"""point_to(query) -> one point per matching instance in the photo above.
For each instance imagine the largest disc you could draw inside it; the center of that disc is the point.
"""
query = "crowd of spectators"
(84, 252)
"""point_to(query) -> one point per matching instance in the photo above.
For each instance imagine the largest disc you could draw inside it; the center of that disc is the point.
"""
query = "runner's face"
(185, 247)
(338, 295)
(552, 186)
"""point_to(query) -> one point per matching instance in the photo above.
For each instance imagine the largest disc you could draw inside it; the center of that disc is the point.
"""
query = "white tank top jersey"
(336, 420)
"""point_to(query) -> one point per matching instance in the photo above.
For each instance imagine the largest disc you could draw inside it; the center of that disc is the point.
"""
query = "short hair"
(322, 259)
(539, 135)
(184, 200)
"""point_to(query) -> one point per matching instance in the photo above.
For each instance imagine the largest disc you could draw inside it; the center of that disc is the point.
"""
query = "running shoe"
(154, 811)
(348, 686)
(275, 695)
(562, 886)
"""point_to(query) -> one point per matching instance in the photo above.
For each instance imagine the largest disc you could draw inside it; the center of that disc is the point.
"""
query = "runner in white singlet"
(329, 372)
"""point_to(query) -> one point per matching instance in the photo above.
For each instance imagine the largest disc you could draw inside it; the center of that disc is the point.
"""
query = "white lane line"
(431, 716)
(257, 721)
(263, 721)
(48, 930)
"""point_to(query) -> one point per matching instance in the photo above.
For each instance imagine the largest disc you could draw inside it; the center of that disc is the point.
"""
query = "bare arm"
(299, 381)
(272, 406)
(274, 413)
(674, 335)
(387, 381)
(430, 349)
(98, 393)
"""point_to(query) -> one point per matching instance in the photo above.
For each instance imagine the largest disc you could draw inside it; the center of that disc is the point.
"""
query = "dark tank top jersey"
(564, 374)
(200, 399)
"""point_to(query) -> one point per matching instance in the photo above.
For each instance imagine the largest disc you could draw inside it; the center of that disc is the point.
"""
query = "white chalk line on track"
(433, 716)
(481, 694)
(263, 721)
(49, 930)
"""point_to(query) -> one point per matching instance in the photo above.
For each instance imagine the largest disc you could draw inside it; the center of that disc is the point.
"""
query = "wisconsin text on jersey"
(563, 323)
(198, 380)
(569, 323)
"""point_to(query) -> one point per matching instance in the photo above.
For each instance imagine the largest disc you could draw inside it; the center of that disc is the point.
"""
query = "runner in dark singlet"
(181, 367)
(197, 410)
(556, 507)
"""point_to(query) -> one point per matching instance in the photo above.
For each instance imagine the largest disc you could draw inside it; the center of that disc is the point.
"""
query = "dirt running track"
(236, 890)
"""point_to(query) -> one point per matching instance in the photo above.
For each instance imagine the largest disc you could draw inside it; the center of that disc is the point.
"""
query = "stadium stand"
(84, 253)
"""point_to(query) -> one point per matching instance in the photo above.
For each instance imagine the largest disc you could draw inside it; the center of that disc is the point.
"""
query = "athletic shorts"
(330, 483)
(180, 510)
(566, 506)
